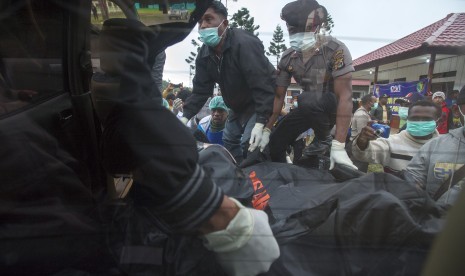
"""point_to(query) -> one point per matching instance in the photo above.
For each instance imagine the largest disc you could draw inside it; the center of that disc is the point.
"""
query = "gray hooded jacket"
(436, 161)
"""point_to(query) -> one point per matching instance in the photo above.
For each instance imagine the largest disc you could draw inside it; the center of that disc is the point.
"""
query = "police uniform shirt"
(331, 60)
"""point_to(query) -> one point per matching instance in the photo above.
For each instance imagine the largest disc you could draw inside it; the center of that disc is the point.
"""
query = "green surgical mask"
(210, 36)
(421, 128)
(375, 105)
(403, 112)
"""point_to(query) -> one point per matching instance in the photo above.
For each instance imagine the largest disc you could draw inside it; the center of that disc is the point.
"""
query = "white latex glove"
(256, 136)
(265, 138)
(247, 245)
(339, 155)
(177, 104)
(184, 120)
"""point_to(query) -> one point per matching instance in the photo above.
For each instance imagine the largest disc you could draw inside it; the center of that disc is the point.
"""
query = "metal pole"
(432, 60)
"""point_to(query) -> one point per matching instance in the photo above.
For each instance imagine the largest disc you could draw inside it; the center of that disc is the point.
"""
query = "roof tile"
(447, 32)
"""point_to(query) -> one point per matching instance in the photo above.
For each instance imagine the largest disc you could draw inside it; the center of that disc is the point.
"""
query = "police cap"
(296, 13)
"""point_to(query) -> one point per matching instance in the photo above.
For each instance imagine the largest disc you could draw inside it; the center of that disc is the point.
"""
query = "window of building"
(445, 87)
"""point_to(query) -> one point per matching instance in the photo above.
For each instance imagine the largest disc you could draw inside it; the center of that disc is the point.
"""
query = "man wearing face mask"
(439, 159)
(359, 121)
(381, 111)
(322, 65)
(362, 115)
(234, 59)
(395, 152)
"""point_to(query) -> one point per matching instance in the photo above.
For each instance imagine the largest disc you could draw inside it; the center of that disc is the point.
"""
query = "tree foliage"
(192, 56)
(277, 46)
(242, 20)
(329, 23)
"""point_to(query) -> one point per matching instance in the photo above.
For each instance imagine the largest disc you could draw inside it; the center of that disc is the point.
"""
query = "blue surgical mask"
(210, 36)
(302, 41)
(375, 105)
(403, 112)
(421, 128)
(295, 104)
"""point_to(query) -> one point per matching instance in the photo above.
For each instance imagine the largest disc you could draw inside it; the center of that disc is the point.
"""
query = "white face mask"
(302, 41)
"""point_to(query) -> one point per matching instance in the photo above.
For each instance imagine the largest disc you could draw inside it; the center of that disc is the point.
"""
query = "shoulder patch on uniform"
(338, 60)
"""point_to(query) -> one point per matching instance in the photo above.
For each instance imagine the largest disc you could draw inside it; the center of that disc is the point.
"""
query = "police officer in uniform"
(322, 65)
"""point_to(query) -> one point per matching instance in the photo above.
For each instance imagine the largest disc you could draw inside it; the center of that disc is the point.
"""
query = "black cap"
(384, 96)
(296, 13)
(461, 97)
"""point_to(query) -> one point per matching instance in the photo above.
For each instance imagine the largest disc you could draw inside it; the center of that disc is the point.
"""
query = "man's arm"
(258, 72)
(343, 91)
(280, 94)
(373, 151)
(157, 70)
(202, 88)
(167, 90)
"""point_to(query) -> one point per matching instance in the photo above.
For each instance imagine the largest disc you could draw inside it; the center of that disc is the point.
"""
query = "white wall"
(413, 72)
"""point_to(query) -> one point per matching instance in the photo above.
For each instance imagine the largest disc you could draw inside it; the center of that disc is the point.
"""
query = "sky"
(363, 25)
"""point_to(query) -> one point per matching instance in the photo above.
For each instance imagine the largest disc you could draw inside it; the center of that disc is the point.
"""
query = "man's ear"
(226, 22)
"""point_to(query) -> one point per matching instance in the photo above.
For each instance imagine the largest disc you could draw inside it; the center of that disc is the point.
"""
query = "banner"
(397, 90)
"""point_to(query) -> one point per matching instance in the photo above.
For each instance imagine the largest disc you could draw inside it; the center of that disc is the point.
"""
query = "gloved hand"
(184, 120)
(265, 138)
(247, 245)
(256, 136)
(177, 104)
(339, 155)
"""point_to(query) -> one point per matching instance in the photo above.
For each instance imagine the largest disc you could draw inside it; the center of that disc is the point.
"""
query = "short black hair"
(365, 99)
(426, 103)
(219, 8)
(183, 94)
(170, 96)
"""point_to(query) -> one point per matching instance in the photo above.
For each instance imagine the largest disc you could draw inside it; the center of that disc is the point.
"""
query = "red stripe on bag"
(261, 197)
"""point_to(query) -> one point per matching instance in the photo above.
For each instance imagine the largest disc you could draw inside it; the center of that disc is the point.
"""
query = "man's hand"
(339, 155)
(177, 105)
(265, 138)
(256, 136)
(366, 135)
(247, 245)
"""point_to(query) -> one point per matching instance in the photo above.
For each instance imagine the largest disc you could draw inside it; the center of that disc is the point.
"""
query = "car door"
(52, 184)
(50, 177)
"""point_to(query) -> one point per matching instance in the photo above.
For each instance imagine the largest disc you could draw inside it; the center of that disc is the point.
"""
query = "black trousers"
(318, 114)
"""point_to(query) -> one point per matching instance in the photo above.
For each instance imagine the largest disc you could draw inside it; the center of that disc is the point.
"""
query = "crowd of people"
(182, 199)
(427, 146)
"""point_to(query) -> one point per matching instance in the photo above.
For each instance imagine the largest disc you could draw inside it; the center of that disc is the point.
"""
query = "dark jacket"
(378, 113)
(244, 73)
